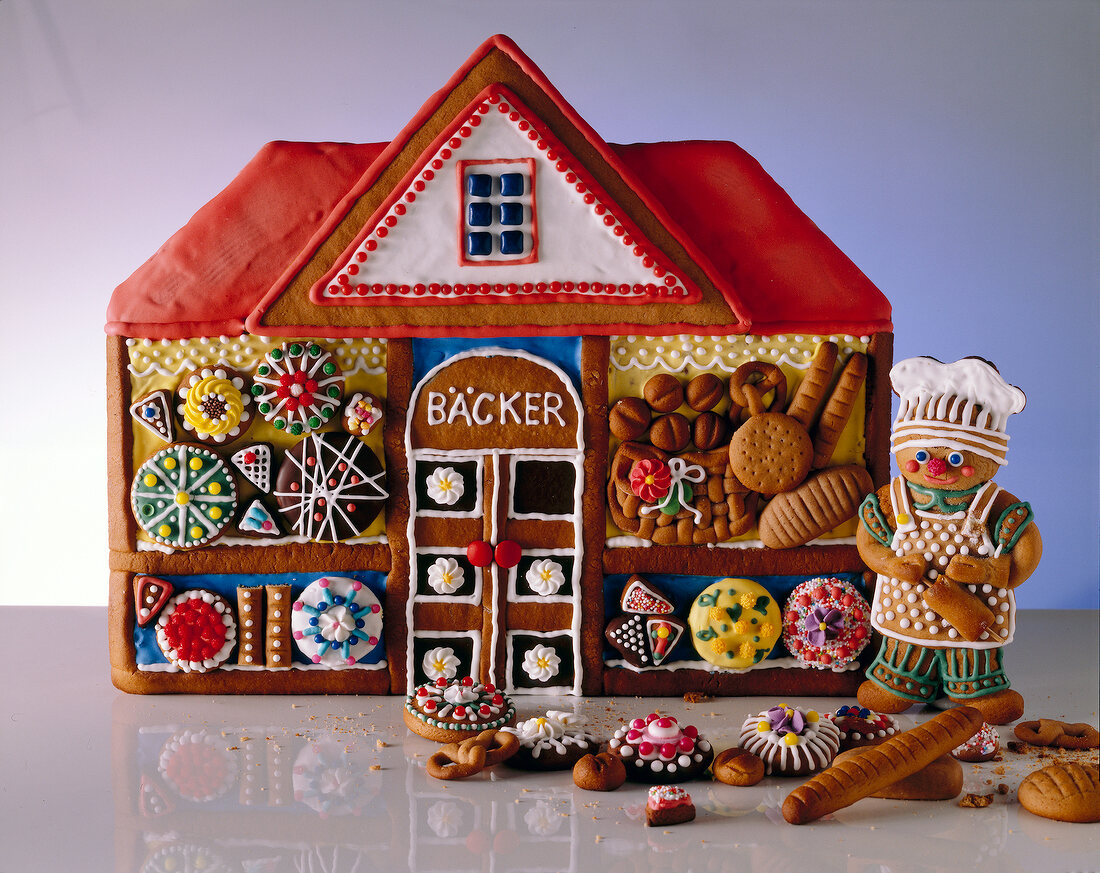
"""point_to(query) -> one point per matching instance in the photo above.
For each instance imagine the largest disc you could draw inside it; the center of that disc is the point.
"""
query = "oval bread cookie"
(827, 498)
(1063, 792)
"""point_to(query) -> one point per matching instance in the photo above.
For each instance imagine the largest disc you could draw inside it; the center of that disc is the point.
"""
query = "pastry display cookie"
(551, 742)
(214, 406)
(983, 746)
(790, 741)
(668, 805)
(859, 726)
(297, 387)
(196, 631)
(183, 496)
(470, 756)
(336, 621)
(734, 623)
(448, 711)
(942, 779)
(1063, 792)
(826, 623)
(150, 595)
(330, 487)
(197, 766)
(362, 413)
(657, 749)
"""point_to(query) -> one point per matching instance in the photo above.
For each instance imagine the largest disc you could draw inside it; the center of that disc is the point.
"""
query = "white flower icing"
(445, 486)
(460, 694)
(444, 818)
(445, 576)
(545, 577)
(551, 731)
(541, 663)
(440, 662)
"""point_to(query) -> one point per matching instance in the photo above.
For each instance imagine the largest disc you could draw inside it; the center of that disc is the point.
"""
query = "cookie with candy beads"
(860, 726)
(656, 749)
(448, 711)
(668, 805)
(551, 742)
(826, 623)
(791, 741)
(983, 746)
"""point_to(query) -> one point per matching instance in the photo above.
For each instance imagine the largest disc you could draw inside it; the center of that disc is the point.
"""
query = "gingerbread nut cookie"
(450, 711)
(550, 742)
(601, 772)
(737, 767)
(1063, 792)
(657, 749)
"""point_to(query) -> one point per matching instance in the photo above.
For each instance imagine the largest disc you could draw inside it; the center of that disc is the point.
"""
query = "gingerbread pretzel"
(1048, 732)
(471, 756)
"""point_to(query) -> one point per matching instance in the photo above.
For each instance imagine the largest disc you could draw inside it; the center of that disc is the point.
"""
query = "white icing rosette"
(541, 663)
(544, 727)
(542, 820)
(445, 486)
(445, 819)
(446, 576)
(440, 663)
(545, 577)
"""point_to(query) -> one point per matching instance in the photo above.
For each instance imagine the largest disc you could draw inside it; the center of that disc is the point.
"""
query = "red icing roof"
(774, 266)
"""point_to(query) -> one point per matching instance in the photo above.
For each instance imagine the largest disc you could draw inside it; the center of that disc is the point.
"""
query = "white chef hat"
(962, 406)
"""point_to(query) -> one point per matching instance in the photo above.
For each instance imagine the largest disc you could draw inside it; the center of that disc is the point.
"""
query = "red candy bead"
(479, 553)
(467, 681)
(668, 750)
(638, 724)
(508, 553)
(489, 687)
(441, 682)
(645, 748)
(691, 731)
(686, 744)
(460, 711)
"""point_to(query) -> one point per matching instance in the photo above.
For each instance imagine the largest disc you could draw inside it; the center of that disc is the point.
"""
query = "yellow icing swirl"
(193, 410)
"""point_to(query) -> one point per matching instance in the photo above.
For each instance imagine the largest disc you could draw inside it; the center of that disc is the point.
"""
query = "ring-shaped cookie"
(472, 755)
(747, 392)
(734, 623)
(1050, 732)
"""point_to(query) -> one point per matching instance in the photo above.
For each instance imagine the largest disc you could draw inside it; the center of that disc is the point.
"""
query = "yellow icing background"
(156, 364)
(635, 359)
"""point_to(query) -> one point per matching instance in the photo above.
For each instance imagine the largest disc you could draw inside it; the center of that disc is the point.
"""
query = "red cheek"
(912, 467)
(967, 471)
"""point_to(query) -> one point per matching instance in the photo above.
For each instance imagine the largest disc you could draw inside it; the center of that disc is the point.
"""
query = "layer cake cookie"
(451, 711)
(657, 749)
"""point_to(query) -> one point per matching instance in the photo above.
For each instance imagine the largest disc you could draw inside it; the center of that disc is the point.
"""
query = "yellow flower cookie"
(734, 623)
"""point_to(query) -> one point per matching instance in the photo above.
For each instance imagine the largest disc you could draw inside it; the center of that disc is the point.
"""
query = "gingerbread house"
(496, 398)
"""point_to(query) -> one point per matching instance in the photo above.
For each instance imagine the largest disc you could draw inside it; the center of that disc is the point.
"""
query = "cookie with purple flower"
(826, 623)
(790, 741)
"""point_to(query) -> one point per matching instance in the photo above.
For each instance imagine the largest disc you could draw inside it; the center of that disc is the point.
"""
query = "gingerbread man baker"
(948, 544)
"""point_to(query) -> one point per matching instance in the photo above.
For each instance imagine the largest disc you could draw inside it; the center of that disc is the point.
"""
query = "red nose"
(937, 466)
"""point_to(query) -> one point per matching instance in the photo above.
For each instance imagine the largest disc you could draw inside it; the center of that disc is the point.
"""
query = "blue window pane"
(511, 184)
(479, 243)
(479, 184)
(511, 242)
(511, 213)
(479, 214)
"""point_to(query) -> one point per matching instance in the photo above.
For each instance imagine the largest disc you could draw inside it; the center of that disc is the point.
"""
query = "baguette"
(898, 757)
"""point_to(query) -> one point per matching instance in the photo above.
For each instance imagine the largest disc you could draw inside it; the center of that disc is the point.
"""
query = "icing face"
(943, 468)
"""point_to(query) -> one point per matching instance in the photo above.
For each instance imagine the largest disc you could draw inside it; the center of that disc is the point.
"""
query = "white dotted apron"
(898, 610)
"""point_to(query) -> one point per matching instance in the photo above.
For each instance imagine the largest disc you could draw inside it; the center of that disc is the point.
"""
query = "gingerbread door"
(495, 458)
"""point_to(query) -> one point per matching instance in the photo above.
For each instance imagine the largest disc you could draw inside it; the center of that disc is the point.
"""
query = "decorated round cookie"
(297, 387)
(860, 726)
(449, 711)
(330, 487)
(197, 765)
(734, 623)
(196, 631)
(214, 405)
(183, 496)
(826, 623)
(551, 742)
(331, 781)
(656, 749)
(790, 741)
(336, 621)
(983, 746)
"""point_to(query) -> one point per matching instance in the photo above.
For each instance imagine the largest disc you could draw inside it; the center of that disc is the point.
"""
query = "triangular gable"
(497, 176)
(688, 292)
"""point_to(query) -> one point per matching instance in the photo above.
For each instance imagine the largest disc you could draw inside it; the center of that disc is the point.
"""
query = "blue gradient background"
(950, 149)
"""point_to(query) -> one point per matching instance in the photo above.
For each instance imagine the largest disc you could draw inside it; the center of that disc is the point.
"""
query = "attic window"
(497, 225)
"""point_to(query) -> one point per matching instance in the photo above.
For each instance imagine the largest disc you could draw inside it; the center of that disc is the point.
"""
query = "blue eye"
(921, 456)
(955, 459)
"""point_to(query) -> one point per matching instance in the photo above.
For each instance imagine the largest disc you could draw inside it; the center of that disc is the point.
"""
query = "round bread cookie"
(196, 631)
(663, 393)
(297, 387)
(183, 496)
(656, 750)
(1063, 792)
(791, 742)
(629, 418)
(671, 432)
(449, 711)
(704, 391)
(550, 742)
(860, 726)
(738, 767)
(600, 772)
(330, 487)
(734, 623)
(771, 452)
(983, 746)
(826, 623)
(336, 621)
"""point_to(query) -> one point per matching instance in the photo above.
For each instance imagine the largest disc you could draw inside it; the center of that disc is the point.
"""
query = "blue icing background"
(147, 651)
(565, 351)
(682, 591)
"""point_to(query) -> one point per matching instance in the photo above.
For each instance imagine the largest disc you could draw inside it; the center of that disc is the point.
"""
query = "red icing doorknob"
(508, 553)
(480, 553)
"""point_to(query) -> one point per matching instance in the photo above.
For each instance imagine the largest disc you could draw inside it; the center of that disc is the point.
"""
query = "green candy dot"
(265, 408)
(314, 421)
(333, 392)
(314, 350)
(257, 390)
(146, 509)
(278, 424)
(296, 428)
(276, 354)
(328, 369)
(295, 349)
(263, 369)
(328, 412)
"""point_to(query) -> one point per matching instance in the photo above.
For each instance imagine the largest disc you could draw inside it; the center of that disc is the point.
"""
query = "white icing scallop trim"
(725, 354)
(706, 666)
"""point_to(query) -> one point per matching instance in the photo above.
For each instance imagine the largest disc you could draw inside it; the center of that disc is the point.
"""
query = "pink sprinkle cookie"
(657, 749)
(826, 623)
(983, 746)
(668, 805)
